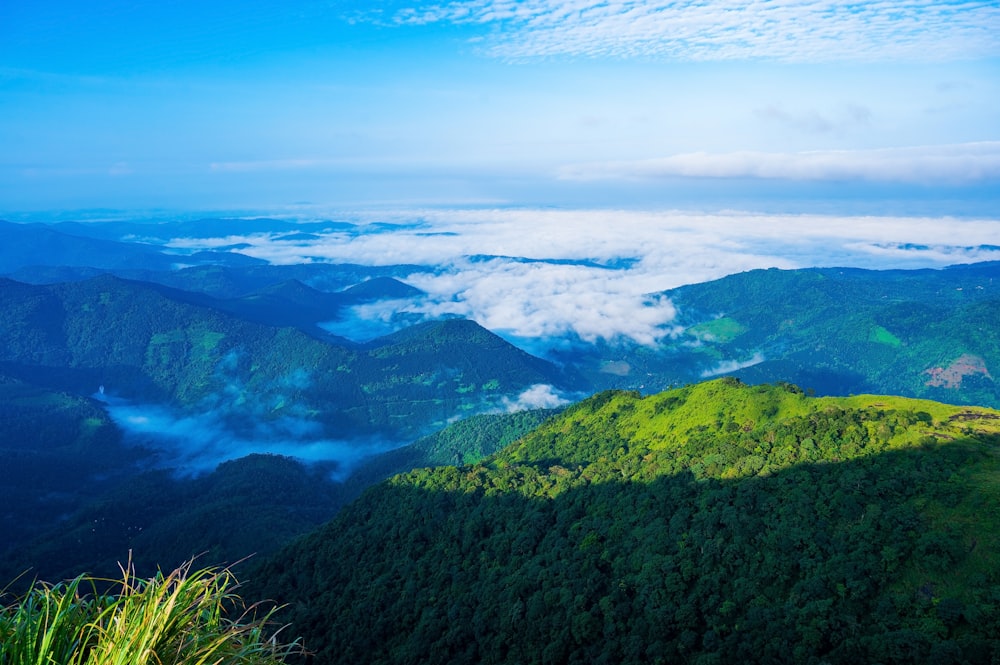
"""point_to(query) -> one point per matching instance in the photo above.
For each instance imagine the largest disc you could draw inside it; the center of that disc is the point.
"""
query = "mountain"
(931, 334)
(227, 280)
(105, 379)
(149, 344)
(245, 507)
(33, 245)
(294, 304)
(160, 231)
(48, 441)
(713, 523)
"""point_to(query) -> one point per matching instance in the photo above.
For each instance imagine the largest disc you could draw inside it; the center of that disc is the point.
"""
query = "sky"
(592, 153)
(887, 107)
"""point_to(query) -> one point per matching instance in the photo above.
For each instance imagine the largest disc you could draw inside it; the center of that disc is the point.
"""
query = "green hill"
(148, 343)
(57, 452)
(931, 334)
(714, 523)
(245, 507)
(464, 442)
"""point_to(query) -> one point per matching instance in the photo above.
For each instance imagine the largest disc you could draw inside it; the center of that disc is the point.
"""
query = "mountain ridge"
(650, 544)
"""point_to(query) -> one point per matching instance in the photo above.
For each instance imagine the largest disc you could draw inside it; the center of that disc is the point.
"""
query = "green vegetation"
(466, 441)
(147, 343)
(182, 618)
(722, 329)
(250, 506)
(880, 335)
(836, 331)
(709, 524)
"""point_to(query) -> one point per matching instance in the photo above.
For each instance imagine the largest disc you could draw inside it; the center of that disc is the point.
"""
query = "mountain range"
(171, 403)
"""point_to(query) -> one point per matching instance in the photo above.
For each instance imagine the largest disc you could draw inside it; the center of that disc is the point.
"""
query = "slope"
(714, 523)
(931, 334)
(149, 344)
(32, 245)
(48, 442)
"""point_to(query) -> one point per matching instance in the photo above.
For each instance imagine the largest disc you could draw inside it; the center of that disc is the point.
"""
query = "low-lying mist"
(196, 443)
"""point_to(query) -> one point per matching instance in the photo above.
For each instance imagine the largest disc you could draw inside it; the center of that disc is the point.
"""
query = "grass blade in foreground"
(181, 617)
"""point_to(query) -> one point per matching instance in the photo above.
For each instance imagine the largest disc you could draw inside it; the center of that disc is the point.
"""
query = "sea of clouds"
(544, 279)
(544, 276)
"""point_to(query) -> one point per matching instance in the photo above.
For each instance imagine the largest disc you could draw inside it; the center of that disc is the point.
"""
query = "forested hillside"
(149, 344)
(711, 524)
(932, 334)
(103, 380)
(58, 524)
(154, 519)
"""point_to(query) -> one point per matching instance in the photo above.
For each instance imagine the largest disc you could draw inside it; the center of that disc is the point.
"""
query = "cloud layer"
(691, 30)
(544, 276)
(193, 444)
(967, 163)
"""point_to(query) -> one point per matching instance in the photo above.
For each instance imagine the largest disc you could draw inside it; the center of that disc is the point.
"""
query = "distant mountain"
(713, 523)
(228, 280)
(24, 246)
(294, 304)
(160, 231)
(921, 333)
(146, 343)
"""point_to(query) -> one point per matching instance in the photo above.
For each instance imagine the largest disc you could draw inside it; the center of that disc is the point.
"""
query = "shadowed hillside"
(715, 523)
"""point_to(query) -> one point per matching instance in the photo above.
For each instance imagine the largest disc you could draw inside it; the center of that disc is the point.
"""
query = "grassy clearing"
(184, 618)
(722, 330)
(880, 335)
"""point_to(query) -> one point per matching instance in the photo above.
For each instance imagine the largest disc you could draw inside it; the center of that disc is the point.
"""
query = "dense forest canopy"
(713, 523)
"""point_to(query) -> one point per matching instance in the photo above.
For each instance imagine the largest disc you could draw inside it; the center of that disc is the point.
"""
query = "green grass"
(183, 617)
(880, 335)
(721, 330)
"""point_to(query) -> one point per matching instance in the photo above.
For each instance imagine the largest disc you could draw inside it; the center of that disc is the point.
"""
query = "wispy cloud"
(727, 366)
(192, 444)
(538, 396)
(966, 163)
(269, 165)
(814, 122)
(692, 30)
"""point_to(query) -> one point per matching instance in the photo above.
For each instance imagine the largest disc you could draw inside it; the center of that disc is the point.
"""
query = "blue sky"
(882, 107)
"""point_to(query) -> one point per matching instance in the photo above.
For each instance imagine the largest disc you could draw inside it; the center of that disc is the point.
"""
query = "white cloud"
(693, 30)
(591, 271)
(948, 164)
(538, 396)
(727, 366)
(197, 443)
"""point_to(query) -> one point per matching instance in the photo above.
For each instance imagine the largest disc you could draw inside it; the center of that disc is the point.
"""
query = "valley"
(315, 418)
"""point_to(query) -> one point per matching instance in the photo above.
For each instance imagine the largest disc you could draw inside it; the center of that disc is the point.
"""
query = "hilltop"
(932, 334)
(713, 523)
